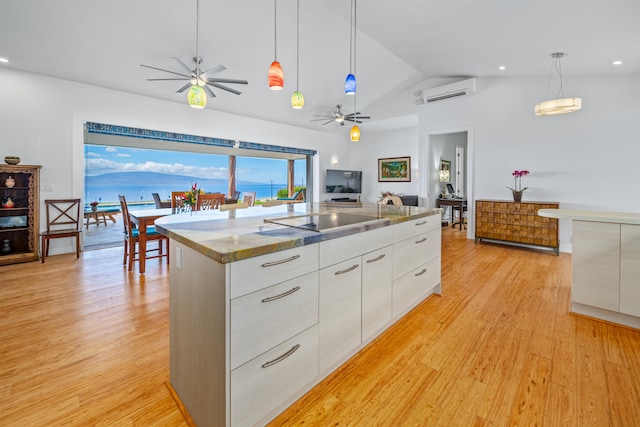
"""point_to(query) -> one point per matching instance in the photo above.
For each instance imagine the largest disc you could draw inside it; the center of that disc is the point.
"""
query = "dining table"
(144, 218)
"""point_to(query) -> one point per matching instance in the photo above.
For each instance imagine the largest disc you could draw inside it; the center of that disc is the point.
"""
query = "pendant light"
(355, 130)
(560, 105)
(297, 99)
(276, 76)
(350, 81)
(196, 96)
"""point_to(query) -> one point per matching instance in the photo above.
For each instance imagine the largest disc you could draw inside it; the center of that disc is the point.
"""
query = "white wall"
(41, 120)
(586, 160)
(364, 155)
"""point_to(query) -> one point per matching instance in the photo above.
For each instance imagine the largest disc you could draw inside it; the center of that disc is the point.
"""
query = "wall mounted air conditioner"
(451, 91)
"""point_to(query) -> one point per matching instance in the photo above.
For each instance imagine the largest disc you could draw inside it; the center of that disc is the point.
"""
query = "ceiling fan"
(196, 77)
(339, 117)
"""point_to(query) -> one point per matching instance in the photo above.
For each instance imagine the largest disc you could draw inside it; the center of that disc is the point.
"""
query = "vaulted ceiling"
(399, 44)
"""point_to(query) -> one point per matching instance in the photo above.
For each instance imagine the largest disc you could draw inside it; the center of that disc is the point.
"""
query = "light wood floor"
(82, 342)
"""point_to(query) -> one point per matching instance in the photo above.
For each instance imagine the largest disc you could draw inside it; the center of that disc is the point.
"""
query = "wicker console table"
(519, 223)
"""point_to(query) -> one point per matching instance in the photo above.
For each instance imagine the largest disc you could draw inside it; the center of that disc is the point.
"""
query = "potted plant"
(517, 189)
(94, 205)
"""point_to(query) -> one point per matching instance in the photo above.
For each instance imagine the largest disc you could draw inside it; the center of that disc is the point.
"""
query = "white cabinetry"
(376, 291)
(250, 337)
(596, 264)
(341, 283)
(416, 262)
(606, 271)
(630, 269)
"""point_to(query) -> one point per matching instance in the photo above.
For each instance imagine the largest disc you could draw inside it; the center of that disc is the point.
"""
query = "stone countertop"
(596, 216)
(243, 233)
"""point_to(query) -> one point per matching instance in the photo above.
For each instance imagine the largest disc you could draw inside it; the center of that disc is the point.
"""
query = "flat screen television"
(343, 181)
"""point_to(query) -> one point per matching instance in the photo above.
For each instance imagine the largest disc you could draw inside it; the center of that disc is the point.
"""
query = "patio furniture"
(233, 199)
(160, 203)
(209, 201)
(298, 196)
(249, 197)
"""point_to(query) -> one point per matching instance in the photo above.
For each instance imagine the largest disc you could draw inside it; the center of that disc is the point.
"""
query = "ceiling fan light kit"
(197, 97)
(197, 81)
(560, 105)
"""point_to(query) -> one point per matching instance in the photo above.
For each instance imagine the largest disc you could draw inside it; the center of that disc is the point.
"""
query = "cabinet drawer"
(261, 385)
(410, 253)
(252, 274)
(265, 318)
(337, 250)
(376, 291)
(340, 311)
(415, 286)
(405, 230)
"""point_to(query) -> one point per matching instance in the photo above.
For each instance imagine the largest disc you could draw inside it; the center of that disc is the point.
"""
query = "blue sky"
(100, 159)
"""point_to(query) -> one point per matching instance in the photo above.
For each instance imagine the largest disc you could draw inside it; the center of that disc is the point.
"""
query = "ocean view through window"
(139, 172)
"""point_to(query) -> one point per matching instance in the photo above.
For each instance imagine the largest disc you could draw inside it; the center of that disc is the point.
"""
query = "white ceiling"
(400, 43)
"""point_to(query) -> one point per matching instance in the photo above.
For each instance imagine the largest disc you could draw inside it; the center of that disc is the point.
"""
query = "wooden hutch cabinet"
(517, 222)
(19, 213)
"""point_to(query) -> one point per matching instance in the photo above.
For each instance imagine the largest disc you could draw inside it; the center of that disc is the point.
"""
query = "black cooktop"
(322, 222)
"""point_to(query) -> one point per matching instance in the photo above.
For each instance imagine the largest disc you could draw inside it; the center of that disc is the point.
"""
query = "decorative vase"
(12, 160)
(94, 207)
(8, 202)
(10, 182)
(517, 196)
(6, 247)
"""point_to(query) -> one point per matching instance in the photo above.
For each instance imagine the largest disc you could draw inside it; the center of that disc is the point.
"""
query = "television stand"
(344, 199)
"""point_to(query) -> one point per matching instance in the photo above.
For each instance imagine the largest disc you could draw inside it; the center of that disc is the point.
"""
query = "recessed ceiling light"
(617, 62)
(502, 68)
(4, 60)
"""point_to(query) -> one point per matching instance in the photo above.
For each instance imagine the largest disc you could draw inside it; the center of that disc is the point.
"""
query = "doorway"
(456, 146)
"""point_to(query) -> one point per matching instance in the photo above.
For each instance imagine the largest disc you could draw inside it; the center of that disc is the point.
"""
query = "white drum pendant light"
(560, 105)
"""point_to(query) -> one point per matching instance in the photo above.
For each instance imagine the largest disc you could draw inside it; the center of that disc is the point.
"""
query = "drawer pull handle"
(282, 295)
(282, 357)
(282, 261)
(378, 258)
(421, 223)
(424, 239)
(346, 270)
(424, 270)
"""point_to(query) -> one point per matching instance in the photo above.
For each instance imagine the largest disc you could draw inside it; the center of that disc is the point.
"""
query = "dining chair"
(209, 201)
(249, 197)
(63, 220)
(159, 203)
(176, 199)
(233, 207)
(132, 238)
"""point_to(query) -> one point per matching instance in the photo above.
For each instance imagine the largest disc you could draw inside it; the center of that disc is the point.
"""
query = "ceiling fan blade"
(239, 82)
(158, 80)
(183, 88)
(214, 70)
(228, 89)
(186, 67)
(166, 71)
(209, 91)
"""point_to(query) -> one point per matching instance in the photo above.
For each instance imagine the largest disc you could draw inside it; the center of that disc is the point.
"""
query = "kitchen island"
(605, 282)
(266, 302)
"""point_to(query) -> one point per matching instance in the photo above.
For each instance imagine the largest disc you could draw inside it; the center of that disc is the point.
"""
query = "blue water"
(142, 192)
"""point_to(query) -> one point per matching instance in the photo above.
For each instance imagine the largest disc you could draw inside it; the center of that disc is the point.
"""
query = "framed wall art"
(394, 169)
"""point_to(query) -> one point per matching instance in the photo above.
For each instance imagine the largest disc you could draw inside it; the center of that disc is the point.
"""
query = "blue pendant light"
(350, 81)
